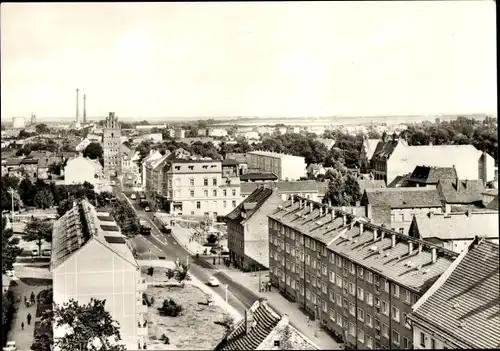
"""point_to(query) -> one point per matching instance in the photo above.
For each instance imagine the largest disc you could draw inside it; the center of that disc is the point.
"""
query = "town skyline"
(249, 59)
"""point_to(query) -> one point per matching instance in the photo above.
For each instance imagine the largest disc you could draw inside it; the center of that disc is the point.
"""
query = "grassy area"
(194, 329)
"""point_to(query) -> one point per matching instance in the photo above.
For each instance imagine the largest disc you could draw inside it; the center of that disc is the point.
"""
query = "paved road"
(238, 297)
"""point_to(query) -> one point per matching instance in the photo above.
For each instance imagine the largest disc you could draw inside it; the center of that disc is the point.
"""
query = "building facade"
(285, 167)
(358, 279)
(91, 259)
(308, 189)
(112, 147)
(81, 169)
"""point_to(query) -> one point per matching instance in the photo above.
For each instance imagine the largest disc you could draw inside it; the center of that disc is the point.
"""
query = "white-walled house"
(82, 169)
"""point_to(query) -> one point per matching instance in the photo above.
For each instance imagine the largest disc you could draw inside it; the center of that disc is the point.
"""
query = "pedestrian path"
(23, 337)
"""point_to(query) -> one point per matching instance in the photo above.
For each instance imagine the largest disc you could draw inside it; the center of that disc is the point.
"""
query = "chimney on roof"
(321, 211)
(375, 234)
(393, 240)
(361, 225)
(344, 219)
(410, 247)
(469, 212)
(311, 207)
(333, 213)
(420, 247)
(434, 255)
(293, 199)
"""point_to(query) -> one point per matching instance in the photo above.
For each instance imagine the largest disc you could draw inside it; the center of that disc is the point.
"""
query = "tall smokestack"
(84, 108)
(77, 98)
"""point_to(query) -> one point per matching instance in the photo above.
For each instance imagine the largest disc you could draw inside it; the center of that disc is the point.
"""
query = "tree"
(42, 128)
(126, 218)
(89, 325)
(10, 250)
(93, 151)
(38, 230)
(55, 168)
(179, 272)
(343, 189)
(170, 308)
(27, 192)
(44, 198)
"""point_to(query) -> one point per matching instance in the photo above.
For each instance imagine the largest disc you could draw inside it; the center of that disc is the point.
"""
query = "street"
(238, 297)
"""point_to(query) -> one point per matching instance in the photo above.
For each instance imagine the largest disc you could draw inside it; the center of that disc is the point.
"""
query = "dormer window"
(205, 166)
(177, 168)
(191, 167)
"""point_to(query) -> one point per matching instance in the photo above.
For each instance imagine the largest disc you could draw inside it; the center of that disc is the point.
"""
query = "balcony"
(141, 285)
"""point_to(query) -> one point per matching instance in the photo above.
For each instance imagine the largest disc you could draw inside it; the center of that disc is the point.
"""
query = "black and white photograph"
(301, 175)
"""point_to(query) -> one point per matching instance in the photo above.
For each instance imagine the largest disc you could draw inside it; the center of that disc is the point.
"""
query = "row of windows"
(224, 204)
(214, 192)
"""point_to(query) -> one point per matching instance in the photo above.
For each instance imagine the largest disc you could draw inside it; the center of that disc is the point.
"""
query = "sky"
(248, 59)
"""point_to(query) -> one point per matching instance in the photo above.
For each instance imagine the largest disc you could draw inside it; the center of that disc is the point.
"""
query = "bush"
(165, 339)
(227, 320)
(170, 308)
(212, 238)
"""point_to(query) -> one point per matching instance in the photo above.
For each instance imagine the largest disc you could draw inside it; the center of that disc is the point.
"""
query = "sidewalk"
(281, 305)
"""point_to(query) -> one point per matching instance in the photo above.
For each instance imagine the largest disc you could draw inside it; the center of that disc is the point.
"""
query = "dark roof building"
(425, 176)
(461, 191)
(462, 308)
(259, 176)
(263, 329)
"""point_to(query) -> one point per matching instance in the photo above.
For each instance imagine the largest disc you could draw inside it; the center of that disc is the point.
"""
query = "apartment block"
(284, 166)
(247, 229)
(91, 259)
(112, 147)
(358, 279)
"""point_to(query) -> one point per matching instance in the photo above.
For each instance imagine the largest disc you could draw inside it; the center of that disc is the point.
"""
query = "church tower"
(112, 147)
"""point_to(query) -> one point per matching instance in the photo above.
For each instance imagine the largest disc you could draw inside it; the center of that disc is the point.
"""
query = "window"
(369, 342)
(339, 319)
(401, 230)
(405, 321)
(385, 308)
(352, 329)
(313, 298)
(339, 281)
(332, 295)
(191, 181)
(276, 343)
(339, 261)
(406, 343)
(352, 309)
(308, 260)
(369, 277)
(313, 263)
(191, 193)
(407, 297)
(224, 192)
(332, 277)
(351, 289)
(339, 300)
(386, 285)
(214, 181)
(324, 271)
(361, 294)
(234, 192)
(332, 257)
(307, 242)
(385, 330)
(361, 335)
(198, 205)
(352, 268)
(224, 203)
(234, 203)
(422, 339)
(324, 306)
(395, 337)
(361, 273)
(313, 244)
(308, 277)
(324, 287)
(395, 290)
(214, 193)
(205, 182)
(369, 298)
(332, 315)
(376, 280)
(314, 281)
(361, 315)
(205, 192)
(369, 320)
(395, 314)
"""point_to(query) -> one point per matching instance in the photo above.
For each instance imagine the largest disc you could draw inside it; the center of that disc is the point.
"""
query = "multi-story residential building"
(153, 155)
(198, 188)
(81, 169)
(112, 147)
(395, 207)
(248, 240)
(309, 189)
(461, 310)
(180, 133)
(394, 157)
(91, 259)
(155, 177)
(358, 279)
(366, 153)
(456, 230)
(263, 329)
(284, 166)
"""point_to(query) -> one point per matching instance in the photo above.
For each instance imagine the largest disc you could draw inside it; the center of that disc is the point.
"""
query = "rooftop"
(251, 204)
(402, 197)
(282, 186)
(465, 308)
(461, 191)
(272, 154)
(431, 175)
(374, 247)
(258, 176)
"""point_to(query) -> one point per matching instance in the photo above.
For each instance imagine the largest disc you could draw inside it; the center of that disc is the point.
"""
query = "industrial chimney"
(84, 108)
(77, 98)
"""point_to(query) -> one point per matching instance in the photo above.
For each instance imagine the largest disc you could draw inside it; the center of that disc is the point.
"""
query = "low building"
(91, 259)
(358, 279)
(251, 135)
(395, 207)
(180, 133)
(315, 170)
(155, 137)
(248, 241)
(284, 166)
(461, 192)
(12, 167)
(29, 168)
(253, 176)
(461, 310)
(217, 132)
(82, 169)
(263, 329)
(428, 177)
(456, 230)
(489, 195)
(370, 184)
(309, 189)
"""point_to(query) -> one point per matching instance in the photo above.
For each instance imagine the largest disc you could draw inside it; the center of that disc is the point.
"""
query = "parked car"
(147, 209)
(129, 177)
(212, 281)
(10, 273)
(46, 252)
(10, 346)
(34, 252)
(133, 196)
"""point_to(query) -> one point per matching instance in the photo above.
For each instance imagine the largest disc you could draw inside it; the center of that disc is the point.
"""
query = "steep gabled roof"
(400, 181)
(265, 320)
(251, 204)
(493, 205)
(402, 197)
(461, 191)
(432, 175)
(465, 308)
